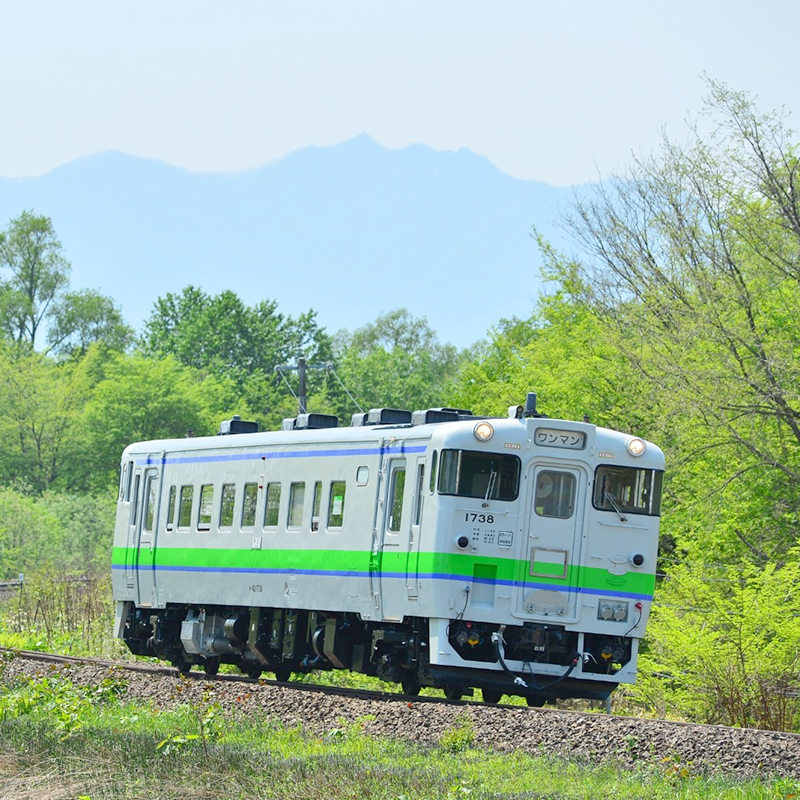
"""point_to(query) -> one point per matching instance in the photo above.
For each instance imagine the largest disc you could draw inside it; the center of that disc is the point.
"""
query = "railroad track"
(627, 741)
(155, 669)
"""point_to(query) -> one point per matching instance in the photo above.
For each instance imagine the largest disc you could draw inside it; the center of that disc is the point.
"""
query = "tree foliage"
(35, 296)
(396, 361)
(142, 398)
(723, 645)
(42, 402)
(223, 336)
(691, 258)
(39, 273)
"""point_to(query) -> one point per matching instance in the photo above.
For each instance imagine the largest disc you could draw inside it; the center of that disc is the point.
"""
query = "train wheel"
(211, 667)
(535, 700)
(491, 696)
(283, 674)
(453, 692)
(411, 686)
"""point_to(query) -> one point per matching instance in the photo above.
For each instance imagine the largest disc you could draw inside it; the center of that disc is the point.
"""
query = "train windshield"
(628, 490)
(467, 473)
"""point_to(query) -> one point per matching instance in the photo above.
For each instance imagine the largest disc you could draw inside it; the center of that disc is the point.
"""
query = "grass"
(61, 741)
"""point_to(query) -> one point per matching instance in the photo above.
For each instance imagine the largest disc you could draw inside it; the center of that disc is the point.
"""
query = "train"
(436, 548)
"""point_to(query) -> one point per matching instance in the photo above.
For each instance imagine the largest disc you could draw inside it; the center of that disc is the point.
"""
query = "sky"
(559, 92)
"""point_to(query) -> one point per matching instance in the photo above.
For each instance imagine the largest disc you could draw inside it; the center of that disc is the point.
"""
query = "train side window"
(249, 503)
(336, 506)
(273, 505)
(396, 499)
(149, 505)
(206, 507)
(362, 476)
(173, 493)
(555, 494)
(316, 506)
(185, 507)
(434, 464)
(226, 505)
(124, 481)
(297, 496)
(135, 506)
(419, 493)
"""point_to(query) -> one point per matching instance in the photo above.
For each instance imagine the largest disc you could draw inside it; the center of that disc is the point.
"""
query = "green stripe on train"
(343, 561)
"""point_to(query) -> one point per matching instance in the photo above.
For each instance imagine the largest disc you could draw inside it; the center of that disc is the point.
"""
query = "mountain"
(351, 230)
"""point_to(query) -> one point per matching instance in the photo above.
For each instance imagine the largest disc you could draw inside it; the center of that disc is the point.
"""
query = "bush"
(722, 646)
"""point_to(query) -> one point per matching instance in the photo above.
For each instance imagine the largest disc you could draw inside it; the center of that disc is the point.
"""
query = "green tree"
(35, 296)
(84, 317)
(39, 274)
(396, 361)
(41, 403)
(722, 645)
(695, 252)
(689, 259)
(222, 336)
(141, 398)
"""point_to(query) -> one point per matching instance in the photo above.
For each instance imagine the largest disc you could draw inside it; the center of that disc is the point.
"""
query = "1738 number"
(471, 516)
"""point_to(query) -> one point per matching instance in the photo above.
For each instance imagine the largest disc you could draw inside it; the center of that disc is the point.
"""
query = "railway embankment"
(592, 737)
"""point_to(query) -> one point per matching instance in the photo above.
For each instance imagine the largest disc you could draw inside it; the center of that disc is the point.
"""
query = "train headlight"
(483, 431)
(636, 447)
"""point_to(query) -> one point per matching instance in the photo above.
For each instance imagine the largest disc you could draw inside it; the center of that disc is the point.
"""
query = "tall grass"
(73, 614)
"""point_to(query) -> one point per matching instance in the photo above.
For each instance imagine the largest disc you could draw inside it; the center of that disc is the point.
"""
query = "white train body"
(517, 555)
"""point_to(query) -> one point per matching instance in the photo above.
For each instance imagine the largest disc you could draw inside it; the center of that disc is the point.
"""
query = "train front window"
(467, 473)
(628, 490)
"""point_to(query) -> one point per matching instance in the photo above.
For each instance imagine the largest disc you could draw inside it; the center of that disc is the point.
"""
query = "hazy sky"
(549, 91)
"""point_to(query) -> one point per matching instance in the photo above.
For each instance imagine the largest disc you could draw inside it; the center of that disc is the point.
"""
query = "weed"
(460, 737)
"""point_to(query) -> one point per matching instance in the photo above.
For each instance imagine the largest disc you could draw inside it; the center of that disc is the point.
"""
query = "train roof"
(561, 438)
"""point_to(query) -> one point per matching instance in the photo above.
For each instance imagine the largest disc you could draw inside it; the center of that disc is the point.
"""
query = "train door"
(145, 522)
(132, 496)
(548, 585)
(415, 533)
(395, 533)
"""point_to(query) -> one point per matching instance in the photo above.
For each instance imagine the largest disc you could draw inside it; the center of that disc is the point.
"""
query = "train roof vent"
(305, 422)
(434, 415)
(388, 416)
(289, 424)
(237, 425)
(381, 416)
(462, 412)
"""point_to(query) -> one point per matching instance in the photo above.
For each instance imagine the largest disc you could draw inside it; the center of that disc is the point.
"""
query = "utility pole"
(301, 369)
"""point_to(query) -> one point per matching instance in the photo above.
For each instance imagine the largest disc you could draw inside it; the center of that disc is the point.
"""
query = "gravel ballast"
(595, 738)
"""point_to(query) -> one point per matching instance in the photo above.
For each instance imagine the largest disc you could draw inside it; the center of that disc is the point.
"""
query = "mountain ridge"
(351, 230)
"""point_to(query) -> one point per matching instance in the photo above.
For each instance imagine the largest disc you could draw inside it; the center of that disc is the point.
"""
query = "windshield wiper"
(492, 479)
(613, 500)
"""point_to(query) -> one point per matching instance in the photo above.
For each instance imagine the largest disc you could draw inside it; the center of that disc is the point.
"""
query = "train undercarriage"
(287, 641)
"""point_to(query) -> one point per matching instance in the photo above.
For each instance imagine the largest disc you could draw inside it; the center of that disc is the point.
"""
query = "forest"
(674, 316)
